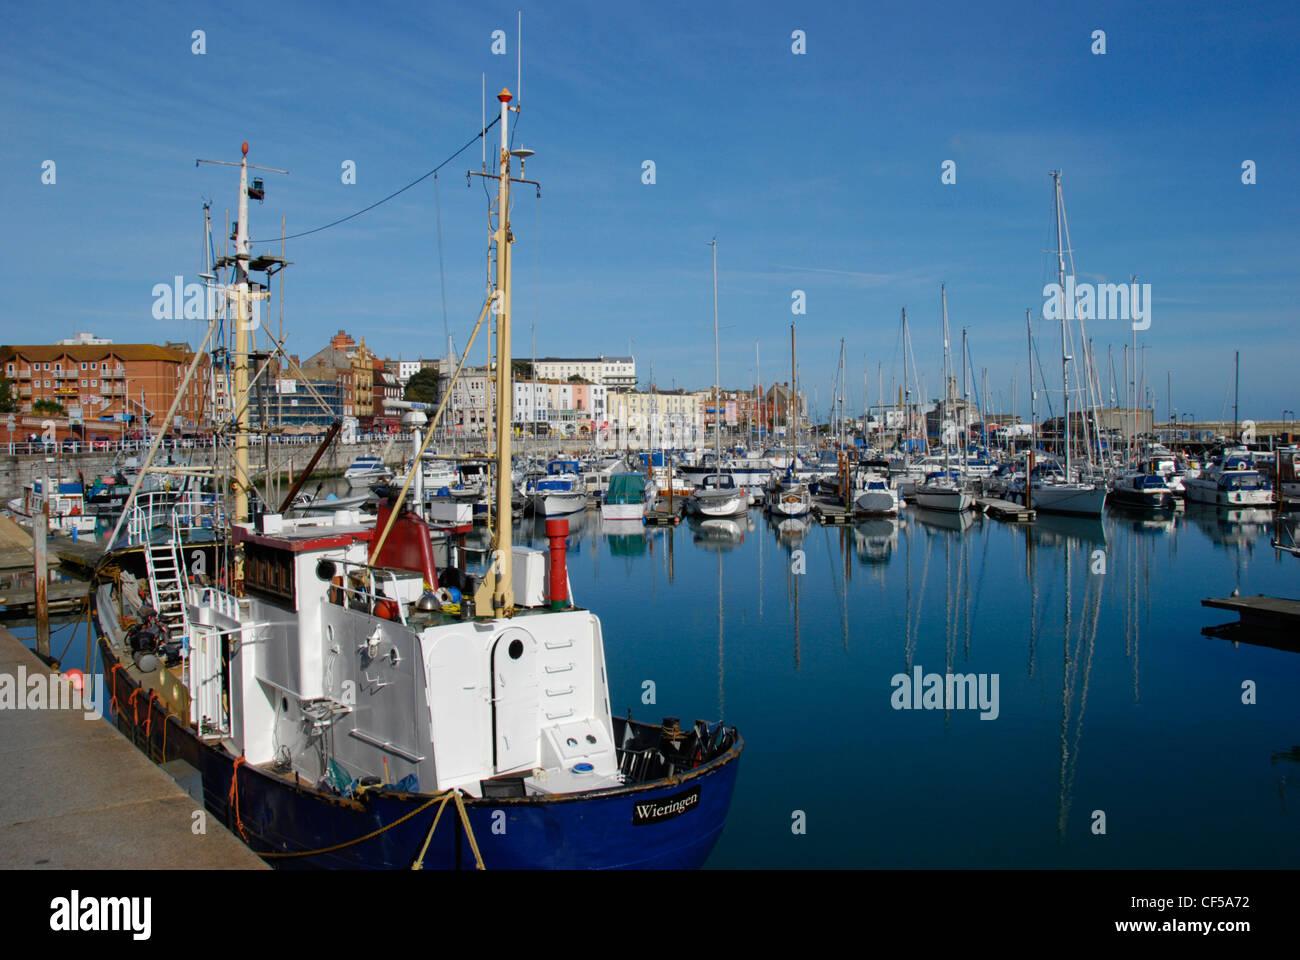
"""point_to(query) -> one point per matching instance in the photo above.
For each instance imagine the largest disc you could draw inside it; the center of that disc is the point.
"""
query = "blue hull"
(668, 823)
(584, 832)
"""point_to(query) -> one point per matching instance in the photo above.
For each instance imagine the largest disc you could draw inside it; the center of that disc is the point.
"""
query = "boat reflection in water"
(1231, 527)
(720, 533)
(790, 529)
(876, 540)
(950, 520)
(626, 538)
(1056, 530)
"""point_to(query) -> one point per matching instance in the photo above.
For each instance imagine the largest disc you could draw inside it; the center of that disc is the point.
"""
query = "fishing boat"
(65, 503)
(343, 710)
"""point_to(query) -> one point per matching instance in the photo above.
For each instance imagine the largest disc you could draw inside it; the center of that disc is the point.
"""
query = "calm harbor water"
(1109, 698)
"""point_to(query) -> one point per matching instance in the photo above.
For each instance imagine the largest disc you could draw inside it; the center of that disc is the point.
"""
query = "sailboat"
(348, 703)
(945, 490)
(717, 493)
(1057, 489)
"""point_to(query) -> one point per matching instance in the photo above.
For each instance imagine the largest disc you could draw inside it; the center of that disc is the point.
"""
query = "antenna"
(483, 119)
(519, 59)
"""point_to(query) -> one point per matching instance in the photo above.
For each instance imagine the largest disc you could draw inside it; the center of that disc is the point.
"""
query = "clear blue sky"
(818, 172)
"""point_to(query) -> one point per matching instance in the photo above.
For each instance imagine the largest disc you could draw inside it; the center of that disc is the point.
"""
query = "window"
(94, 383)
(94, 366)
(47, 383)
(11, 368)
(47, 366)
(83, 364)
(83, 382)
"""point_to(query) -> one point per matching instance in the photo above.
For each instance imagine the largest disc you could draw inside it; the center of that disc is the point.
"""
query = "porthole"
(516, 649)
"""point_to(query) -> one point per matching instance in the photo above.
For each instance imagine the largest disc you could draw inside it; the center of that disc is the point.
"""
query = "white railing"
(178, 513)
(359, 588)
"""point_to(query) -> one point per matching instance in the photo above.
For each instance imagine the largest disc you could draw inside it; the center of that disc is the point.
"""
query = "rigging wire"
(469, 143)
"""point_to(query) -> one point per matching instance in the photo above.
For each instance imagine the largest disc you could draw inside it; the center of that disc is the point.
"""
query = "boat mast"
(1065, 368)
(717, 369)
(240, 358)
(1033, 409)
(946, 408)
(794, 402)
(503, 590)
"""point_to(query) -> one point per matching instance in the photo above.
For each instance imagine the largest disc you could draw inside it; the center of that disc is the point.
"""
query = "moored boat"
(349, 703)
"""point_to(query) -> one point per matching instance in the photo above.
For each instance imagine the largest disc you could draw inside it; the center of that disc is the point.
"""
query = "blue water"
(1110, 698)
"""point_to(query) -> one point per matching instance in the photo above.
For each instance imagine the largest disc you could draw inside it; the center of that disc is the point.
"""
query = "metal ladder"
(167, 584)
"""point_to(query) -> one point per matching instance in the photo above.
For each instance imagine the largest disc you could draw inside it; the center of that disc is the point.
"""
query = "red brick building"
(109, 387)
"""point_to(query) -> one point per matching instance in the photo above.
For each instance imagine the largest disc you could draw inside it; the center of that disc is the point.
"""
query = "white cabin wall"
(389, 719)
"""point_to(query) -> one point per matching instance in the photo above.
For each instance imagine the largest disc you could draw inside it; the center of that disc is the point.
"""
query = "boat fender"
(386, 609)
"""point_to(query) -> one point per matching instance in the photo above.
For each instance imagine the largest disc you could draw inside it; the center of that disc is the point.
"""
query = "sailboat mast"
(503, 591)
(794, 400)
(946, 408)
(717, 369)
(1033, 406)
(1065, 367)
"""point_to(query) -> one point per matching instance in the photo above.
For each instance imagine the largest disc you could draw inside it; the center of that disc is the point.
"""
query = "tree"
(521, 369)
(7, 402)
(48, 406)
(423, 386)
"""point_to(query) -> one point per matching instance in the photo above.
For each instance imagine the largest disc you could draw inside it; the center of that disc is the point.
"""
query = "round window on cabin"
(516, 649)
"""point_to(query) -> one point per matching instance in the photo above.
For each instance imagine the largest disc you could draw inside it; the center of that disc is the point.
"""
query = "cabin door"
(515, 701)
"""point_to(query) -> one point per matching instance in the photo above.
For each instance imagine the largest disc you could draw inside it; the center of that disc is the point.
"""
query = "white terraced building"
(568, 409)
(614, 373)
(660, 419)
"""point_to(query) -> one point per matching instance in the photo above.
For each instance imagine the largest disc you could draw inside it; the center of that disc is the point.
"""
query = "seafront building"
(103, 388)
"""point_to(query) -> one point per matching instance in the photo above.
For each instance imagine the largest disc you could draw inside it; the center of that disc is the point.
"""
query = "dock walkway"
(78, 796)
(830, 514)
(16, 547)
(1005, 510)
(1260, 611)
